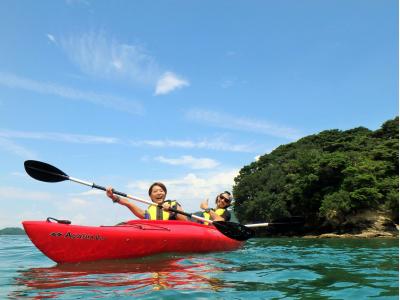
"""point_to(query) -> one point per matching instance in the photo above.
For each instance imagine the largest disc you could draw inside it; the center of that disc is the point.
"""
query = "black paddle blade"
(234, 231)
(44, 172)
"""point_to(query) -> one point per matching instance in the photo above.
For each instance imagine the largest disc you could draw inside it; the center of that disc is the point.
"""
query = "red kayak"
(65, 243)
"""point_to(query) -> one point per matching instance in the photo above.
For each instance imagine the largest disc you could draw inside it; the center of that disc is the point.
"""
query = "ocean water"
(268, 268)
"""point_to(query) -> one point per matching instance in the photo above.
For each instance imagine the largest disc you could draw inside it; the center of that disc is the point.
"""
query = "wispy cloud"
(217, 144)
(59, 137)
(169, 82)
(190, 161)
(242, 124)
(210, 144)
(108, 101)
(10, 146)
(89, 193)
(78, 2)
(101, 56)
(51, 38)
(14, 193)
(227, 83)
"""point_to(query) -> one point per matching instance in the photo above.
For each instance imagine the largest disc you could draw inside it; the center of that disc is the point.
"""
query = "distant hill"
(12, 231)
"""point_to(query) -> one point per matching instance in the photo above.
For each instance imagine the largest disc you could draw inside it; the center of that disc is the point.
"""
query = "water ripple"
(262, 269)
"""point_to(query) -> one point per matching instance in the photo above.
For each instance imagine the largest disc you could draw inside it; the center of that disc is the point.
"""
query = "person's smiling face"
(224, 200)
(157, 194)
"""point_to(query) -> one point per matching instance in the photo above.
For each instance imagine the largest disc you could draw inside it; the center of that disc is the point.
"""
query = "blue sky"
(126, 93)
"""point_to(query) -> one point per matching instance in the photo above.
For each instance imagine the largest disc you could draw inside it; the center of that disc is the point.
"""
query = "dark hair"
(160, 184)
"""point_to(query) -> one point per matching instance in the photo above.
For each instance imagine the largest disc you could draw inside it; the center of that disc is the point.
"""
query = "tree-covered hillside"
(325, 177)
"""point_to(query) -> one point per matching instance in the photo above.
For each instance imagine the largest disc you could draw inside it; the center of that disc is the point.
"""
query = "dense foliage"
(324, 177)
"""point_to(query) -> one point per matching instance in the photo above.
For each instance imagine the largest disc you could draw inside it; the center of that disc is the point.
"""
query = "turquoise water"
(283, 268)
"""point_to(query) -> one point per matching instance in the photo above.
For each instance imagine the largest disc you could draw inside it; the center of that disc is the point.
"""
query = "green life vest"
(158, 213)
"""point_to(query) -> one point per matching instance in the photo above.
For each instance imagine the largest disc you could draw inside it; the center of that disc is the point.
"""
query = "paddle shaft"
(268, 224)
(258, 225)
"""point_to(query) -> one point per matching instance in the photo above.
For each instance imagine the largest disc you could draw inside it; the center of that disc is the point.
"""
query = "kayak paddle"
(295, 220)
(44, 172)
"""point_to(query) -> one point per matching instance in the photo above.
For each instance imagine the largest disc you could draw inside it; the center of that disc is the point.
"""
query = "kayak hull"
(65, 243)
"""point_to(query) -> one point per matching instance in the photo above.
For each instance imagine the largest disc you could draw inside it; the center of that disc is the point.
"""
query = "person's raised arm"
(137, 211)
(204, 204)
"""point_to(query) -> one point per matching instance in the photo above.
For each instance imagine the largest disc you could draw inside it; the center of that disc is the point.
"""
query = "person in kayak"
(220, 212)
(157, 193)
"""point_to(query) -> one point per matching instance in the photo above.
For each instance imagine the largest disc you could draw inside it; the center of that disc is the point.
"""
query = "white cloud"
(218, 144)
(192, 188)
(51, 38)
(190, 161)
(18, 174)
(227, 83)
(10, 146)
(169, 82)
(242, 124)
(108, 101)
(23, 194)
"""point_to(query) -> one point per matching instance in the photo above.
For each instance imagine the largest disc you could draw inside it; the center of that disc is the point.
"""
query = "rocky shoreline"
(367, 224)
(379, 226)
(365, 235)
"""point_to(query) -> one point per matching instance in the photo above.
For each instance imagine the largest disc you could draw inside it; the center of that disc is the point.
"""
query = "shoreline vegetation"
(367, 224)
(12, 231)
(343, 184)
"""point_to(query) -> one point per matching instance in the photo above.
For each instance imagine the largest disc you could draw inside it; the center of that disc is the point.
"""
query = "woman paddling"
(157, 193)
(220, 212)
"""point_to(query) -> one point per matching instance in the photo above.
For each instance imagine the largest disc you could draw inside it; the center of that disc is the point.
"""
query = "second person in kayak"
(220, 212)
(157, 193)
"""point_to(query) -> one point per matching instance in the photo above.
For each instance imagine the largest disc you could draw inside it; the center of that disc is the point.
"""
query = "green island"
(12, 231)
(338, 183)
